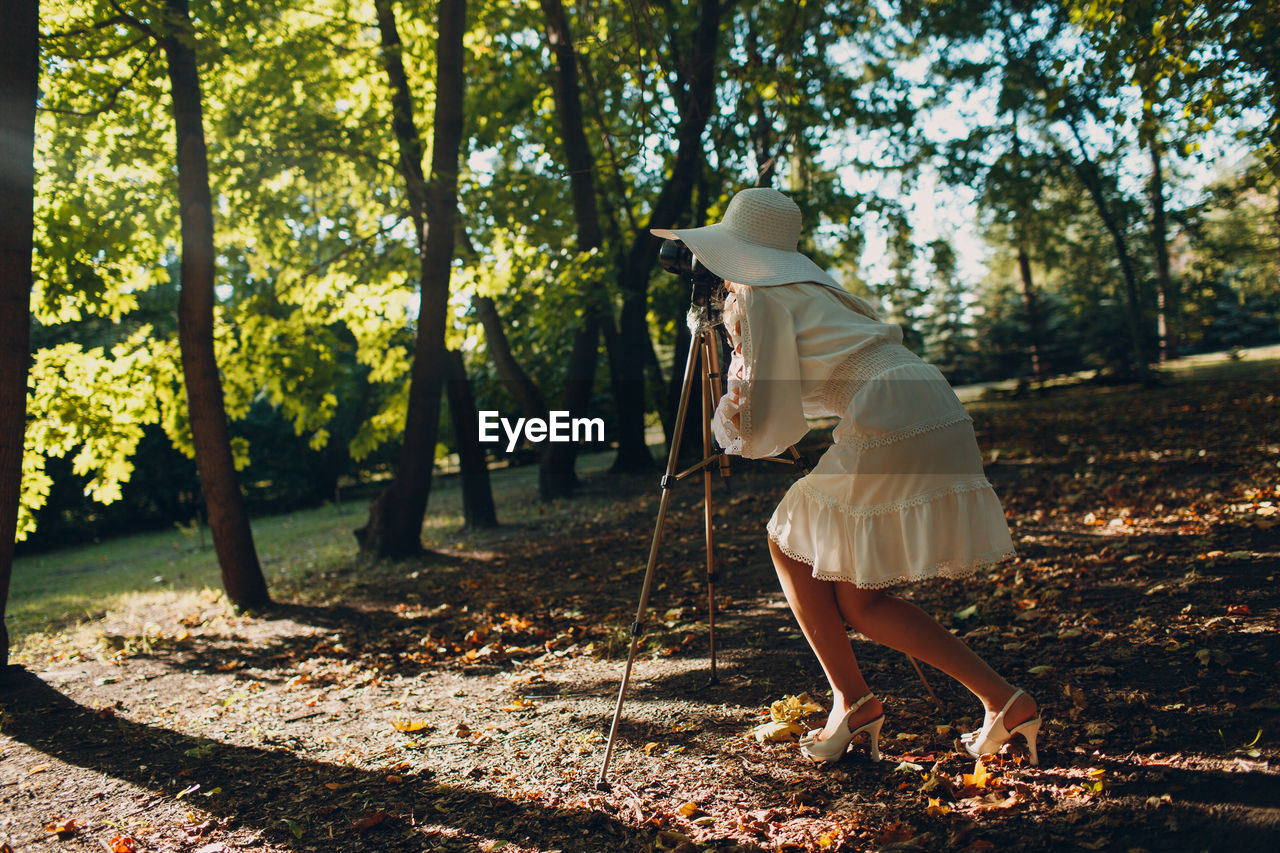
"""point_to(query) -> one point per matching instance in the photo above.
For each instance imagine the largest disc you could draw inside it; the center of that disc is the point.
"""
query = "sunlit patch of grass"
(57, 597)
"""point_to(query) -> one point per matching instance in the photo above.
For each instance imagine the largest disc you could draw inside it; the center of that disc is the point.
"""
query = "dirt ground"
(462, 701)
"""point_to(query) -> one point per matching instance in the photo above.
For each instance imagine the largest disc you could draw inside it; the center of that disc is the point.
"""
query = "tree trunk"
(1031, 305)
(19, 77)
(228, 522)
(517, 382)
(1166, 297)
(477, 495)
(395, 516)
(1087, 171)
(556, 475)
(1028, 291)
(696, 102)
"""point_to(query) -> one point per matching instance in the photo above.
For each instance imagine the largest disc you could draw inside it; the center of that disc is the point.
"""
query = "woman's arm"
(761, 413)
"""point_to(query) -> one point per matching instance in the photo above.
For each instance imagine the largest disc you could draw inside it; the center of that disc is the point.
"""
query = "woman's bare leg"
(813, 603)
(901, 625)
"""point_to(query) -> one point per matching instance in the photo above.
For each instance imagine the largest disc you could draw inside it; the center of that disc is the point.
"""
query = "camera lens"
(675, 257)
(678, 259)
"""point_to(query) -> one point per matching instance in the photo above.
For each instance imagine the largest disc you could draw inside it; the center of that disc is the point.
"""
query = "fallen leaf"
(997, 801)
(688, 809)
(370, 820)
(63, 829)
(410, 725)
(519, 704)
(936, 807)
(793, 708)
(979, 778)
(124, 844)
(1239, 610)
(776, 731)
(829, 839)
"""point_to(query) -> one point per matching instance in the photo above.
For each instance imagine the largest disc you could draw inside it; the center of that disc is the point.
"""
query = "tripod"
(704, 350)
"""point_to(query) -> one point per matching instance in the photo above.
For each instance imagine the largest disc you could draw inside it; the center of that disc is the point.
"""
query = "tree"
(19, 78)
(477, 495)
(228, 522)
(394, 528)
(556, 477)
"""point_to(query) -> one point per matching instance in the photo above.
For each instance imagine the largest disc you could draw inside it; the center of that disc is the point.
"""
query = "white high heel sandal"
(832, 749)
(994, 734)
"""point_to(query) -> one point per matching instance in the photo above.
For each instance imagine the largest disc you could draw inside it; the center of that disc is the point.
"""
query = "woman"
(899, 497)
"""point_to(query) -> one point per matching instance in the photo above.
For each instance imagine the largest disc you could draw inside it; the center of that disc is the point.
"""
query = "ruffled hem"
(949, 532)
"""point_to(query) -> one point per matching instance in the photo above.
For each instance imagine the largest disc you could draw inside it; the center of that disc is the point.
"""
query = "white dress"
(900, 495)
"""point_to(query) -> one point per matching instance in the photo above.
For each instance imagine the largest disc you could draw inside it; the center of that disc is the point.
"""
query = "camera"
(679, 259)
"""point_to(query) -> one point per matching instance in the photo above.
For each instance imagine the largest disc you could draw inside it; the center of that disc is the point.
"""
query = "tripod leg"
(717, 391)
(708, 449)
(691, 366)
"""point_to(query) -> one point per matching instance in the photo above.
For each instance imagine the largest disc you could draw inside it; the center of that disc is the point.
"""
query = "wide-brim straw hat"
(754, 243)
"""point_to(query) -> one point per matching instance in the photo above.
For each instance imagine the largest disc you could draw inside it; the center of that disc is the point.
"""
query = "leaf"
(997, 801)
(688, 809)
(1239, 610)
(123, 844)
(370, 820)
(1042, 669)
(775, 732)
(63, 829)
(908, 767)
(296, 828)
(793, 708)
(411, 725)
(966, 612)
(519, 704)
(936, 808)
(979, 778)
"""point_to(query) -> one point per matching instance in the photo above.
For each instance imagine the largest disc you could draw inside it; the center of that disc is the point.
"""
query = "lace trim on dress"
(974, 485)
(940, 569)
(733, 313)
(861, 366)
